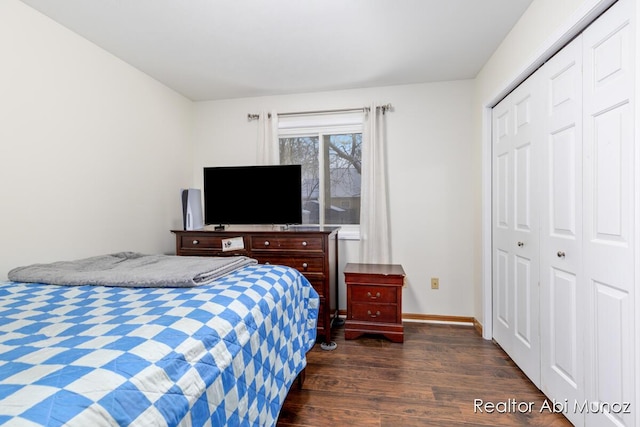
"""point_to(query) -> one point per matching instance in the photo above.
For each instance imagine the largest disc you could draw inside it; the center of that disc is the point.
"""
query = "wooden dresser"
(312, 250)
(374, 300)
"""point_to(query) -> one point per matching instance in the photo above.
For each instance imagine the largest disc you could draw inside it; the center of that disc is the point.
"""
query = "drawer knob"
(266, 243)
(561, 254)
(304, 243)
(373, 315)
(373, 297)
(305, 265)
(195, 242)
(521, 244)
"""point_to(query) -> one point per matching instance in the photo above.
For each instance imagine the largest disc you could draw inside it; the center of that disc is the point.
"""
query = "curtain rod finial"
(384, 108)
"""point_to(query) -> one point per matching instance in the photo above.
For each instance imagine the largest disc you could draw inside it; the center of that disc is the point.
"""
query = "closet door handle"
(561, 254)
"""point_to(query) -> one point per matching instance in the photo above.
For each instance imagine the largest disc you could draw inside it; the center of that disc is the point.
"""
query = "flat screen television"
(253, 195)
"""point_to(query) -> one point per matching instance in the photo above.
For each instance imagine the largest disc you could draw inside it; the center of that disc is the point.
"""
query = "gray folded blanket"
(131, 269)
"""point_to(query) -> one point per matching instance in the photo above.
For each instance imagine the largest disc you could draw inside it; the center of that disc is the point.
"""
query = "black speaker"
(192, 209)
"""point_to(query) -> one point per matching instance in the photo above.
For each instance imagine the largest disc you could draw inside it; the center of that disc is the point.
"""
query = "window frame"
(319, 126)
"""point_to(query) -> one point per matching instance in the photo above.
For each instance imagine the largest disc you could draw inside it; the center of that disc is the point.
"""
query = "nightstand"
(374, 300)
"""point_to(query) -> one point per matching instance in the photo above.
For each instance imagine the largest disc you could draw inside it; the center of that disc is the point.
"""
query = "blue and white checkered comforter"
(219, 354)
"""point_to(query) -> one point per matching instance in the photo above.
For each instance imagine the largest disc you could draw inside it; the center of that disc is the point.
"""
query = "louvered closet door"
(562, 287)
(515, 228)
(609, 198)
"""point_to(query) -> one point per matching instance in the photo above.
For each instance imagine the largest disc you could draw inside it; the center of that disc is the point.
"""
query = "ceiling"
(221, 49)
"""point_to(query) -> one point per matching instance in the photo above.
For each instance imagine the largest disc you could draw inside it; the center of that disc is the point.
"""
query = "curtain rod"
(383, 108)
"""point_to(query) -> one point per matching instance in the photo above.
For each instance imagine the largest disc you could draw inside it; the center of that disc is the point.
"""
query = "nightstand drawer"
(374, 312)
(368, 294)
(279, 243)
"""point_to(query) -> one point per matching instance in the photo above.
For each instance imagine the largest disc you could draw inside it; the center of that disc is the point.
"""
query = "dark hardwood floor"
(432, 379)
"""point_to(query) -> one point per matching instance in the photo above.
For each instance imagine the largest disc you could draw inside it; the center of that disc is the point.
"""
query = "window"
(330, 152)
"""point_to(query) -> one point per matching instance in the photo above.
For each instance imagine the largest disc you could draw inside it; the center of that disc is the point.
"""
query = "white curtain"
(268, 152)
(375, 246)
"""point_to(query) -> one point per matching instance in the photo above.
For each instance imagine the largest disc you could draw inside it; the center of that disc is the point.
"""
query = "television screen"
(253, 195)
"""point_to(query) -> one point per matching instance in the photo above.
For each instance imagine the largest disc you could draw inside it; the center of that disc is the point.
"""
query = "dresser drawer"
(205, 245)
(286, 243)
(321, 316)
(201, 242)
(317, 281)
(367, 294)
(384, 313)
(304, 265)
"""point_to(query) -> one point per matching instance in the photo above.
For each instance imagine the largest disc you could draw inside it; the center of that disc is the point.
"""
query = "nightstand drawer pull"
(377, 295)
(266, 243)
(373, 315)
(195, 242)
(304, 243)
(305, 265)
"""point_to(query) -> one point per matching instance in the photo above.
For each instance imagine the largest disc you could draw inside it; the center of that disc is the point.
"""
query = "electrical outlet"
(435, 283)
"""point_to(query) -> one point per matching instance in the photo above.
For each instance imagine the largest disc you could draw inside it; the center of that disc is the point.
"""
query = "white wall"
(544, 27)
(92, 151)
(431, 183)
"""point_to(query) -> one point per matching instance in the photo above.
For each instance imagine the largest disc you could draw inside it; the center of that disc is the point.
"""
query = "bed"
(219, 353)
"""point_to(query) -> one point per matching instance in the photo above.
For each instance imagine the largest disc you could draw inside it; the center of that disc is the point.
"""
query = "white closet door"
(609, 215)
(515, 228)
(562, 288)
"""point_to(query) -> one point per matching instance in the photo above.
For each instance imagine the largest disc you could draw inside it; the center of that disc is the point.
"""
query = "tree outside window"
(331, 174)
